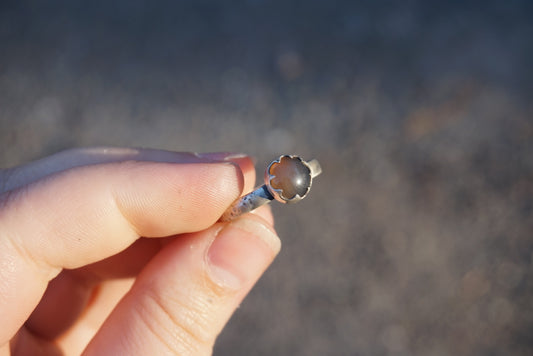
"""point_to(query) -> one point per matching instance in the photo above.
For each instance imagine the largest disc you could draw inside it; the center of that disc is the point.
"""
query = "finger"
(19, 176)
(186, 294)
(5, 350)
(85, 214)
(127, 263)
(25, 343)
(67, 295)
(104, 300)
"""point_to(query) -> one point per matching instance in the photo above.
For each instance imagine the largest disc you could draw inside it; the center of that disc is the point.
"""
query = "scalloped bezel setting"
(288, 178)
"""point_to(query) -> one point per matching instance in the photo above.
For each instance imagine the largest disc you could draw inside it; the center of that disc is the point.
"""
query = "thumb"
(187, 293)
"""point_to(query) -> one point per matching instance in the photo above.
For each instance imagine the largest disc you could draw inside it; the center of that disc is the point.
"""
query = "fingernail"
(221, 156)
(241, 252)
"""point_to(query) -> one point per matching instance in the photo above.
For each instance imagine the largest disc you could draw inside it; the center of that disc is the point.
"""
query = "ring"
(288, 179)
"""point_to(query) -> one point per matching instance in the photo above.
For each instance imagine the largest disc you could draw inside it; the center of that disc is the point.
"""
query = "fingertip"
(246, 164)
(242, 160)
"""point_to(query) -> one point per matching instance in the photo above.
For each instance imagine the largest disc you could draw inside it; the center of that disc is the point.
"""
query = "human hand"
(118, 251)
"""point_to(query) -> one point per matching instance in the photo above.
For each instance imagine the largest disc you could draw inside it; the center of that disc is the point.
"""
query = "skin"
(108, 251)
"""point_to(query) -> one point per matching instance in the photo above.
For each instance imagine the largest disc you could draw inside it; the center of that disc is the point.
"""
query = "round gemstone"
(291, 177)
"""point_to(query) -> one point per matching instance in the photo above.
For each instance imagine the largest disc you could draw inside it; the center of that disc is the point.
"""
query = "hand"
(118, 251)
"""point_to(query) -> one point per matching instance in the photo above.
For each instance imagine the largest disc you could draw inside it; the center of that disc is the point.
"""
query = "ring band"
(288, 179)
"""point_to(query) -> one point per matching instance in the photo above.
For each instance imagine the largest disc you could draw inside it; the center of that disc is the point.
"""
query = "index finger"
(19, 176)
(88, 213)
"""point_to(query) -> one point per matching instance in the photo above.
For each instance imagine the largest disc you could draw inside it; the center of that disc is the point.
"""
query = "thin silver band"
(315, 167)
(247, 203)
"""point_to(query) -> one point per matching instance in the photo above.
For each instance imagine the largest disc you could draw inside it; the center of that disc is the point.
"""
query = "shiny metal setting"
(288, 179)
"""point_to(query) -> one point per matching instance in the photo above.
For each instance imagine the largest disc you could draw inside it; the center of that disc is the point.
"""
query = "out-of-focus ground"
(416, 240)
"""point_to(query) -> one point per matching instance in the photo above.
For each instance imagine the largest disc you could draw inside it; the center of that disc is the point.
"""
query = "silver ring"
(288, 179)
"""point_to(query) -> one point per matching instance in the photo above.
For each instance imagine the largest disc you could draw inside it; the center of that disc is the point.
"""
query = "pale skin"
(109, 251)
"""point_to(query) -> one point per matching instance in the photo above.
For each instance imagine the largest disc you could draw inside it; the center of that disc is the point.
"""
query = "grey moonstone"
(291, 176)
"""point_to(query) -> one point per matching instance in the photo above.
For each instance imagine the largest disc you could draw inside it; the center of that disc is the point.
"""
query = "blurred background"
(416, 239)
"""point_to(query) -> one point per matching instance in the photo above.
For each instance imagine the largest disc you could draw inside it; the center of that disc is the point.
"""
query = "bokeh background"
(417, 238)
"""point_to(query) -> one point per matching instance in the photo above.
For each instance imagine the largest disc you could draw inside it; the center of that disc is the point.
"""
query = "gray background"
(416, 240)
